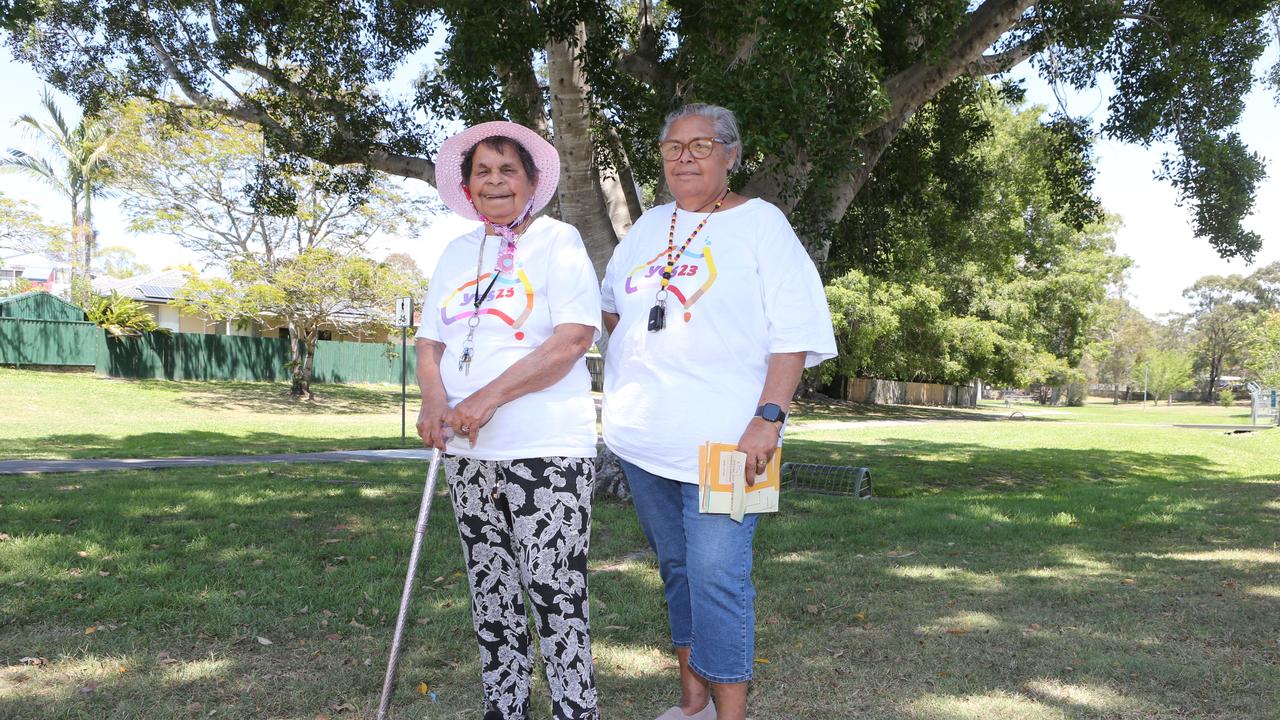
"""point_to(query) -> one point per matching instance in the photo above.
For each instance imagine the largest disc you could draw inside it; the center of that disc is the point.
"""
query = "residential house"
(52, 276)
(158, 290)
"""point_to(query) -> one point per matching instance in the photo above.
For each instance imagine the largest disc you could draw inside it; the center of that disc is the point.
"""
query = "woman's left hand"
(468, 416)
(759, 441)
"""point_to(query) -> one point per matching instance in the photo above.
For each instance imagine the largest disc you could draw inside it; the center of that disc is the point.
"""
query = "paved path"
(31, 467)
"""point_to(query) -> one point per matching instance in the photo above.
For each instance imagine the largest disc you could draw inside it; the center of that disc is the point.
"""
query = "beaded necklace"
(658, 313)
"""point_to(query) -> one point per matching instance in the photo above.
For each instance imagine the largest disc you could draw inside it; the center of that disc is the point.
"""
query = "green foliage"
(23, 230)
(315, 289)
(118, 261)
(1166, 372)
(1219, 321)
(121, 316)
(18, 287)
(74, 164)
(1226, 398)
(200, 178)
(816, 83)
(1121, 342)
(967, 263)
(1262, 349)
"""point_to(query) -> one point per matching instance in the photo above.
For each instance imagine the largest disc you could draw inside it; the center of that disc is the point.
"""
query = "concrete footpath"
(32, 467)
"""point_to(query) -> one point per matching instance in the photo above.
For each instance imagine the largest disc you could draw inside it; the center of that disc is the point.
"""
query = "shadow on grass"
(274, 397)
(910, 467)
(186, 442)
(198, 564)
(1135, 596)
(1143, 599)
(813, 410)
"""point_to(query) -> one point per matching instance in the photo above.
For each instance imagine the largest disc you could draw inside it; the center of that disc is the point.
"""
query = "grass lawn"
(56, 416)
(1020, 570)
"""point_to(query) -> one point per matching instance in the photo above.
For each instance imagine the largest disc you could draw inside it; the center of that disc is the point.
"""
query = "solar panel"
(158, 291)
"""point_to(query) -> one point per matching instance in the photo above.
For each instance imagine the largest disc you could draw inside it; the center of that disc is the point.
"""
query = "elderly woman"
(714, 310)
(511, 309)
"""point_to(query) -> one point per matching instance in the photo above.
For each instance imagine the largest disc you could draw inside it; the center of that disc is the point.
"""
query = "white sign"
(404, 312)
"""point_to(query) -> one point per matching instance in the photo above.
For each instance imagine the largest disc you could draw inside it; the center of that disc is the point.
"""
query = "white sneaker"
(675, 713)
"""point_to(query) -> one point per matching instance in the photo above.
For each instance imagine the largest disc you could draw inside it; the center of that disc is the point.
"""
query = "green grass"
(1104, 411)
(1040, 569)
(58, 416)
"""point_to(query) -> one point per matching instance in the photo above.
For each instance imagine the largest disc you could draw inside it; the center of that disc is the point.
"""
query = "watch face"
(771, 412)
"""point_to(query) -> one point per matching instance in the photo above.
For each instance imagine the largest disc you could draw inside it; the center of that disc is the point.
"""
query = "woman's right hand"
(431, 427)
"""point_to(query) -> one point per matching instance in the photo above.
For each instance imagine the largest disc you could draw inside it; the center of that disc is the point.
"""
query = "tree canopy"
(962, 265)
(291, 242)
(823, 88)
(22, 229)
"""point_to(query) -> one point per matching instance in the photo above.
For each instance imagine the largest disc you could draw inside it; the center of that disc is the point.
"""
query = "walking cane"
(424, 511)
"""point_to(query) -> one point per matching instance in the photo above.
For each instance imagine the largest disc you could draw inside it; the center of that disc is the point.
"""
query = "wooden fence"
(893, 392)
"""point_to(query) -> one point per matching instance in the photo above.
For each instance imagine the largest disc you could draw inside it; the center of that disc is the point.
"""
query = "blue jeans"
(705, 563)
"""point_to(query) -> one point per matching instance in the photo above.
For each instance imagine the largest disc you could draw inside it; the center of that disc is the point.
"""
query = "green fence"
(191, 356)
(194, 356)
(47, 342)
(348, 362)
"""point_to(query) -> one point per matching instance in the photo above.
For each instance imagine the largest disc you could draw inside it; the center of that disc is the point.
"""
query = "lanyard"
(468, 345)
(658, 313)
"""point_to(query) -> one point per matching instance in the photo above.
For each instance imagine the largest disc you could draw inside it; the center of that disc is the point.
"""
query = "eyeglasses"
(699, 148)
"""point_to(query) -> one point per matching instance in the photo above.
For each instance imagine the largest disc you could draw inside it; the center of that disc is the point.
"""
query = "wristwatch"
(770, 413)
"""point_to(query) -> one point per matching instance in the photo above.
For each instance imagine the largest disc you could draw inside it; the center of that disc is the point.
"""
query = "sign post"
(404, 319)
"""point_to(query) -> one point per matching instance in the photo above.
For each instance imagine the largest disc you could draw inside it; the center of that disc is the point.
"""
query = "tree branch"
(910, 88)
(1002, 61)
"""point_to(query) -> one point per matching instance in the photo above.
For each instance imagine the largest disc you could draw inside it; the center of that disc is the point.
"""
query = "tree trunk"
(308, 362)
(298, 386)
(610, 479)
(581, 202)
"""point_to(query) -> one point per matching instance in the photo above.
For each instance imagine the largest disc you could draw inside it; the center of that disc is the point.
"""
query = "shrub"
(121, 316)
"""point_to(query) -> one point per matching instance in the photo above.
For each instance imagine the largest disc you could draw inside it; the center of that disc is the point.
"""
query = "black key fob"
(657, 318)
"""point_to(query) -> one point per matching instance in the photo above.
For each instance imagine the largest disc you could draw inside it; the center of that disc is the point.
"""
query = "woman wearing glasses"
(714, 310)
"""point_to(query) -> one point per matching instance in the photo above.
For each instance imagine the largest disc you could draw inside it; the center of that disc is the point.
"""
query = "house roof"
(156, 287)
(36, 268)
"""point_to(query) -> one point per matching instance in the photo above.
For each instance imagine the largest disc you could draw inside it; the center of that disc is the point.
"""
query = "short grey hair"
(722, 120)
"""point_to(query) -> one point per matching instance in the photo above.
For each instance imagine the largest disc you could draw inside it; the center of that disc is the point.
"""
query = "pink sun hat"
(449, 178)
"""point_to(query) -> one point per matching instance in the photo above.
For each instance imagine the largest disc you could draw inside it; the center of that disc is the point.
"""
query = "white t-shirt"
(553, 283)
(745, 288)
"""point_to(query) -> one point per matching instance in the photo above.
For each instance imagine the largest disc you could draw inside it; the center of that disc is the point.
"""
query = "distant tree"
(23, 230)
(1218, 324)
(1262, 349)
(1168, 371)
(118, 261)
(74, 163)
(1123, 339)
(292, 245)
(304, 293)
(201, 179)
(411, 279)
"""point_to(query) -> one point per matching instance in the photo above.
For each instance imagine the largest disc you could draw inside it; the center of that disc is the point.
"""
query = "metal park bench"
(827, 479)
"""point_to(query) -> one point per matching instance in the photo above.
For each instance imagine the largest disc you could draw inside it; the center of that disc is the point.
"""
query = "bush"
(1226, 398)
(121, 316)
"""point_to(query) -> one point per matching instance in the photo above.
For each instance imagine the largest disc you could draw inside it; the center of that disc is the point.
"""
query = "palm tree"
(76, 168)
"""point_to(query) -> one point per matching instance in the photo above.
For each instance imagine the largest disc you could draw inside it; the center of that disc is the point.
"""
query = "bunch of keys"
(658, 313)
(464, 360)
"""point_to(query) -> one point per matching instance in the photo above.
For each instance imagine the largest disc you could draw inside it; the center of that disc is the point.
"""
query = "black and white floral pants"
(526, 524)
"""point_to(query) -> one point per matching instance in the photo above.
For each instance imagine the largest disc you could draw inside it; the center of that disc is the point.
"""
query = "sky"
(1156, 234)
